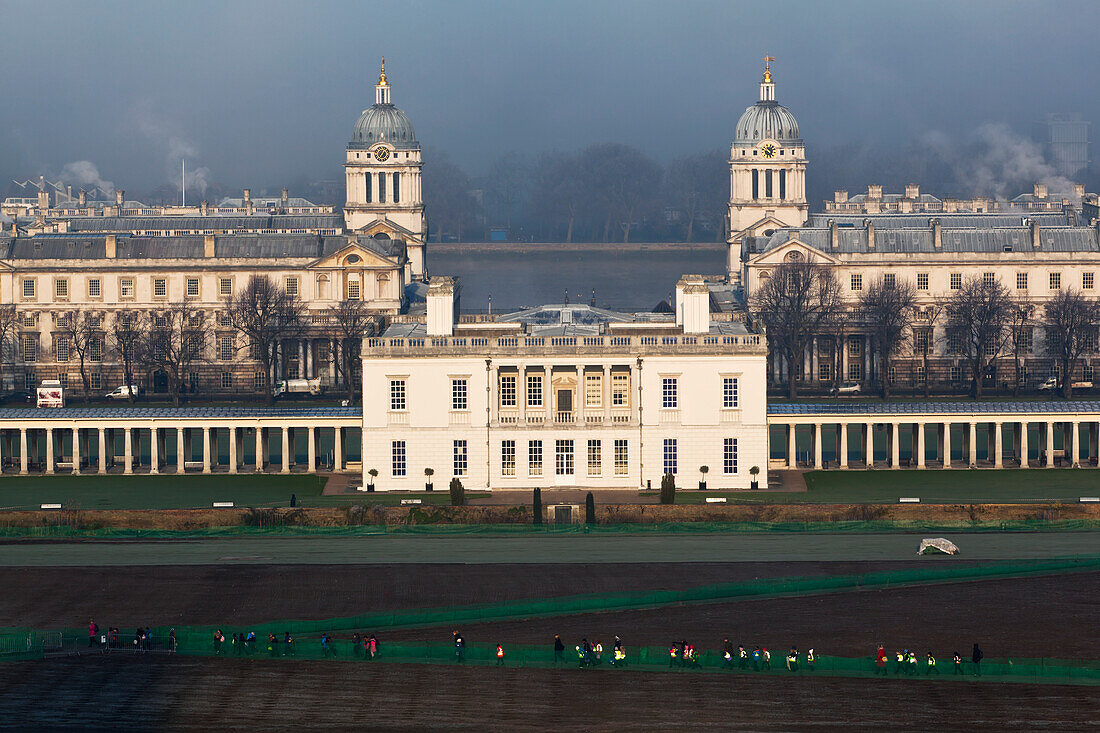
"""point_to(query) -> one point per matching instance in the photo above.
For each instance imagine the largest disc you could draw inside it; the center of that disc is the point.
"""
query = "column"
(206, 450)
(1023, 445)
(843, 443)
(312, 450)
(76, 451)
(332, 359)
(102, 468)
(309, 359)
(302, 358)
(232, 450)
(22, 450)
(547, 397)
(1074, 445)
(791, 459)
(920, 444)
(843, 366)
(817, 445)
(813, 360)
(869, 444)
(259, 448)
(337, 350)
(286, 449)
(338, 449)
(947, 445)
(605, 388)
(895, 445)
(866, 358)
(127, 451)
(154, 450)
(521, 394)
(49, 450)
(1050, 445)
(972, 443)
(997, 461)
(181, 457)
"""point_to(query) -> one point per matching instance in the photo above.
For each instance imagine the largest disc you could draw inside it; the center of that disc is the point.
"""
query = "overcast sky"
(261, 93)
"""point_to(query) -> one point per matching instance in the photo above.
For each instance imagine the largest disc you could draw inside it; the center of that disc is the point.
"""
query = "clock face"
(382, 154)
(768, 151)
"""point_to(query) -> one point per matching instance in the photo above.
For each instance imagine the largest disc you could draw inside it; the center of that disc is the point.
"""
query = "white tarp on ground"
(931, 546)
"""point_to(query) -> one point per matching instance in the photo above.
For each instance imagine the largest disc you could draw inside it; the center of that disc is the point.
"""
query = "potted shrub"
(428, 473)
(754, 471)
(668, 489)
(373, 473)
(537, 508)
(703, 470)
(458, 492)
(589, 509)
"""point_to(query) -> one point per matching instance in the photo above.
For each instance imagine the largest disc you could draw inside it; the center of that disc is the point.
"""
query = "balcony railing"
(563, 417)
(508, 345)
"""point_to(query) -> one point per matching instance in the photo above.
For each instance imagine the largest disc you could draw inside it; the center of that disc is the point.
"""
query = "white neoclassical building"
(565, 395)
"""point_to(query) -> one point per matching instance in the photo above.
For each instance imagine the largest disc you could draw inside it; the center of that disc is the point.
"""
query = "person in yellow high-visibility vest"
(673, 654)
(930, 665)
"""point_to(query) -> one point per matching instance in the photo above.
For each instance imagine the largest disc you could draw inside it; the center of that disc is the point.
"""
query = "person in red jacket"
(880, 660)
(500, 655)
(93, 632)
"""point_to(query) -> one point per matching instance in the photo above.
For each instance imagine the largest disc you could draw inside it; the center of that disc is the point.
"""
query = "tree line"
(604, 193)
(980, 321)
(176, 339)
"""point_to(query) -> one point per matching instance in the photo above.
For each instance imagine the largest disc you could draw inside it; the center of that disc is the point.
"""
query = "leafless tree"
(1071, 320)
(9, 335)
(924, 336)
(351, 322)
(887, 309)
(1022, 317)
(174, 343)
(127, 333)
(799, 300)
(266, 314)
(978, 316)
(81, 333)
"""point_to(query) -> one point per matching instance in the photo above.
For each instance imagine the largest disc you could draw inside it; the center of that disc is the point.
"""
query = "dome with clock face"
(767, 119)
(383, 122)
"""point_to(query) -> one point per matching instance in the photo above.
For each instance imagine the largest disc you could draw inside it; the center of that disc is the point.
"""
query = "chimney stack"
(204, 207)
(120, 198)
(285, 196)
(870, 233)
(834, 235)
(208, 246)
(937, 234)
(1036, 240)
(443, 303)
(874, 192)
(1079, 190)
(1040, 191)
(82, 197)
(248, 205)
(912, 191)
(43, 200)
(840, 197)
(247, 195)
(693, 304)
(112, 246)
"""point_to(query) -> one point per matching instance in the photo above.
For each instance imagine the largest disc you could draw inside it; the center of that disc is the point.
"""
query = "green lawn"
(184, 492)
(961, 486)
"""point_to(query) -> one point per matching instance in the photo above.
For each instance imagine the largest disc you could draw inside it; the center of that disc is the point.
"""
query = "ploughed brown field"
(1049, 616)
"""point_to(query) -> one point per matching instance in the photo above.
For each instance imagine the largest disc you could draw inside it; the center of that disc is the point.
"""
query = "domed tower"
(382, 171)
(767, 172)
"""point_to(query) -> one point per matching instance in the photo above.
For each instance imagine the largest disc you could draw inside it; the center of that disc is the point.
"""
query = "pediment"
(793, 250)
(367, 259)
(385, 226)
(758, 228)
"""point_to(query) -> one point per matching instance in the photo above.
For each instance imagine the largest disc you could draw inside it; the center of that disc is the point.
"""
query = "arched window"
(397, 188)
(367, 178)
(755, 184)
(381, 188)
(768, 183)
(783, 184)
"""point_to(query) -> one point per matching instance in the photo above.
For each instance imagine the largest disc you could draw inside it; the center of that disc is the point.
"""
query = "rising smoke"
(177, 147)
(84, 174)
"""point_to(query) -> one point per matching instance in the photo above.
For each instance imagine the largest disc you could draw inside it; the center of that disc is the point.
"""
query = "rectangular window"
(507, 458)
(61, 349)
(126, 287)
(225, 320)
(622, 457)
(669, 454)
(534, 390)
(889, 280)
(669, 393)
(29, 289)
(855, 346)
(729, 456)
(563, 457)
(857, 283)
(824, 371)
(95, 349)
(922, 337)
(225, 348)
(225, 286)
(1021, 281)
(192, 287)
(63, 377)
(988, 279)
(160, 287)
(1087, 279)
(507, 390)
(595, 458)
(459, 399)
(620, 389)
(61, 289)
(353, 290)
(593, 390)
(95, 287)
(30, 381)
(954, 343)
(96, 380)
(399, 465)
(258, 381)
(461, 458)
(922, 281)
(534, 458)
(956, 281)
(291, 286)
(730, 396)
(397, 395)
(855, 372)
(1055, 280)
(954, 374)
(227, 380)
(30, 349)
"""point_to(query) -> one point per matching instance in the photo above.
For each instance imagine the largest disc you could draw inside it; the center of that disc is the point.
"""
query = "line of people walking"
(906, 662)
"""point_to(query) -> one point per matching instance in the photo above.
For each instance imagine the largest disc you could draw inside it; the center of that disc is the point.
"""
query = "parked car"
(1053, 383)
(124, 392)
(50, 394)
(298, 386)
(847, 388)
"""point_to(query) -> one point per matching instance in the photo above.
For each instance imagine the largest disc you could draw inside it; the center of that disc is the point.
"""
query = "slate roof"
(1018, 239)
(183, 223)
(924, 219)
(923, 407)
(253, 246)
(167, 413)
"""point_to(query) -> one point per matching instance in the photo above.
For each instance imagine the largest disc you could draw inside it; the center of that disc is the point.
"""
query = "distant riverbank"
(514, 247)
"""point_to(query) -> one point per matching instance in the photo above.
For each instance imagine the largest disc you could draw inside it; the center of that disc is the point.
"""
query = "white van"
(124, 392)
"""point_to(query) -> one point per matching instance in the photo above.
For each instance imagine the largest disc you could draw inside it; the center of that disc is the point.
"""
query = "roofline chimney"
(1036, 238)
(870, 233)
(112, 246)
(834, 235)
(208, 245)
(937, 234)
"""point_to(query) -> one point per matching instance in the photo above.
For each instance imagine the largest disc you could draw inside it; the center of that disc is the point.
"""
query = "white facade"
(502, 405)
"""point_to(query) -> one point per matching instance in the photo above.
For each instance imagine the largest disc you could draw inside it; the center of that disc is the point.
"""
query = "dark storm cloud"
(267, 92)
